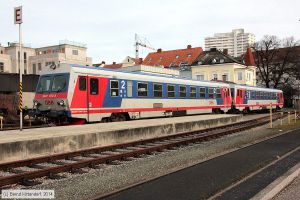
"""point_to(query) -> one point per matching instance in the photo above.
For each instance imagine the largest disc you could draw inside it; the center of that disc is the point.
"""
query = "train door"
(226, 98)
(79, 104)
(93, 98)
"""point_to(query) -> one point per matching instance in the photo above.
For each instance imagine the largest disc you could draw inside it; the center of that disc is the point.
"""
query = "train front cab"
(51, 98)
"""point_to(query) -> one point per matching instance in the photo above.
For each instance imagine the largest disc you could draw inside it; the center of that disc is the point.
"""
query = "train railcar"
(250, 98)
(74, 92)
(9, 95)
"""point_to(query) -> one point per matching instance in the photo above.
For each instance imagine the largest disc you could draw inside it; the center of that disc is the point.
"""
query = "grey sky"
(108, 27)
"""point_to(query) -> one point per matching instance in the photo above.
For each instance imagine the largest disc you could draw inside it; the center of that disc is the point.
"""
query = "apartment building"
(219, 66)
(37, 58)
(236, 42)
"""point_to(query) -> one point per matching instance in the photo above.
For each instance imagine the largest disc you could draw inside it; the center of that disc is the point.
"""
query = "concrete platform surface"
(30, 143)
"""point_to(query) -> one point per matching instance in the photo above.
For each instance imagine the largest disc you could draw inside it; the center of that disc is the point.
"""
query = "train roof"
(249, 87)
(147, 76)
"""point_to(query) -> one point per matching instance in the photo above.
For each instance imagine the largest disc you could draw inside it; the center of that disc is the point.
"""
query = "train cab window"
(94, 86)
(202, 93)
(211, 93)
(142, 89)
(59, 83)
(171, 91)
(218, 91)
(193, 92)
(82, 83)
(157, 90)
(44, 84)
(182, 91)
(129, 88)
(114, 88)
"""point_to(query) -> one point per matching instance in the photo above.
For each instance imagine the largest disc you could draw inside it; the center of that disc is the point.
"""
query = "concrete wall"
(63, 139)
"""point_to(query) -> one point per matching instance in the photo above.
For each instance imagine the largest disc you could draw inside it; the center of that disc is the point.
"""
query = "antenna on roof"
(143, 42)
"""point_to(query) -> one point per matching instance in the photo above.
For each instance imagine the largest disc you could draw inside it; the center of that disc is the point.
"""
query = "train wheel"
(118, 117)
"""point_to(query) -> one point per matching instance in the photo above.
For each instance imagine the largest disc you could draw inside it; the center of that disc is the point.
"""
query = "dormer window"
(177, 56)
(160, 58)
(189, 55)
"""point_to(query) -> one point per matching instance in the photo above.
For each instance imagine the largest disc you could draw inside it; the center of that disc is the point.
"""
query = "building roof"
(173, 58)
(113, 66)
(214, 56)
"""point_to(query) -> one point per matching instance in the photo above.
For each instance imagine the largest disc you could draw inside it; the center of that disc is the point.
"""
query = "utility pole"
(18, 20)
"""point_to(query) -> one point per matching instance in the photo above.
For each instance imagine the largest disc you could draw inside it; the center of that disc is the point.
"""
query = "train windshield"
(52, 83)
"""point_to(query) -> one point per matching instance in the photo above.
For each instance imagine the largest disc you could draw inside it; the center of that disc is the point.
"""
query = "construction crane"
(143, 43)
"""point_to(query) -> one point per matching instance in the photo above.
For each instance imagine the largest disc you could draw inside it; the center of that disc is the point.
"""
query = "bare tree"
(277, 60)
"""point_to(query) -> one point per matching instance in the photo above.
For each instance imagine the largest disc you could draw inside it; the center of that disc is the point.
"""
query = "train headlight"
(61, 103)
(36, 103)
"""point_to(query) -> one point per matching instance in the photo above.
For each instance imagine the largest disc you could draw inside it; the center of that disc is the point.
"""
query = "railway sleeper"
(29, 182)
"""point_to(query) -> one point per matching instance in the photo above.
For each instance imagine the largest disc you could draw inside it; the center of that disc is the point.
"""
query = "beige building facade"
(232, 72)
(236, 42)
(37, 58)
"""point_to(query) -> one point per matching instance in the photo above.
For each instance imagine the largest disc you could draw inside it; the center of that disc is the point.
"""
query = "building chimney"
(225, 51)
(114, 63)
(189, 46)
(103, 62)
(249, 58)
(140, 61)
(159, 50)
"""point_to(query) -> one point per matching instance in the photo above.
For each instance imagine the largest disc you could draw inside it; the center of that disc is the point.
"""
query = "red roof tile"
(165, 58)
(113, 66)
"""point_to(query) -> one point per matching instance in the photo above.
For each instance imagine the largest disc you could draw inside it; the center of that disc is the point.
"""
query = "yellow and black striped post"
(21, 104)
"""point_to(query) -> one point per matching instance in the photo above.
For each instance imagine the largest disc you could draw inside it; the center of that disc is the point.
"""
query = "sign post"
(18, 20)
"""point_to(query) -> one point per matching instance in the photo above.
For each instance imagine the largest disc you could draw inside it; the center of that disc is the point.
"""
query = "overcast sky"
(108, 26)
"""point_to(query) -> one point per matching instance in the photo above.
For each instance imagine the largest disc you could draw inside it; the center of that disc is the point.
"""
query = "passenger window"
(193, 92)
(210, 93)
(82, 83)
(157, 90)
(142, 89)
(171, 91)
(94, 87)
(114, 88)
(129, 88)
(218, 91)
(202, 93)
(182, 91)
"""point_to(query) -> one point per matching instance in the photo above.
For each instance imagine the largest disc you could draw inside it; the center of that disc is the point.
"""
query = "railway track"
(25, 171)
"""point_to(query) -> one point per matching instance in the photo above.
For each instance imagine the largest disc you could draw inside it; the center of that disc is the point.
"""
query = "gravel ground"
(123, 174)
(291, 192)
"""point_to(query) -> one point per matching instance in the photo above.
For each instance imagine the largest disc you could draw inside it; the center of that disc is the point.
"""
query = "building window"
(34, 68)
(114, 88)
(202, 93)
(211, 93)
(200, 77)
(157, 90)
(189, 55)
(171, 91)
(160, 58)
(225, 77)
(129, 88)
(25, 56)
(182, 91)
(1, 67)
(94, 86)
(193, 92)
(82, 83)
(215, 77)
(177, 56)
(240, 76)
(75, 52)
(142, 89)
(184, 63)
(40, 66)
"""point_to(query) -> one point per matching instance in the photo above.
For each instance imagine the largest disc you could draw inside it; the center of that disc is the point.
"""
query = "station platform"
(29, 143)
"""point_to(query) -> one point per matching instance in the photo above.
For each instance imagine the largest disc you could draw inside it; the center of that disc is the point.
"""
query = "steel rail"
(103, 159)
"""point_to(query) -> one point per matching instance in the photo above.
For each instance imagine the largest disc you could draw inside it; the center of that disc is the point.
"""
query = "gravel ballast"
(109, 178)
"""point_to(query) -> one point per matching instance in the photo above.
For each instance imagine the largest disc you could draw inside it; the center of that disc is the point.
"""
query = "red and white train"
(88, 94)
